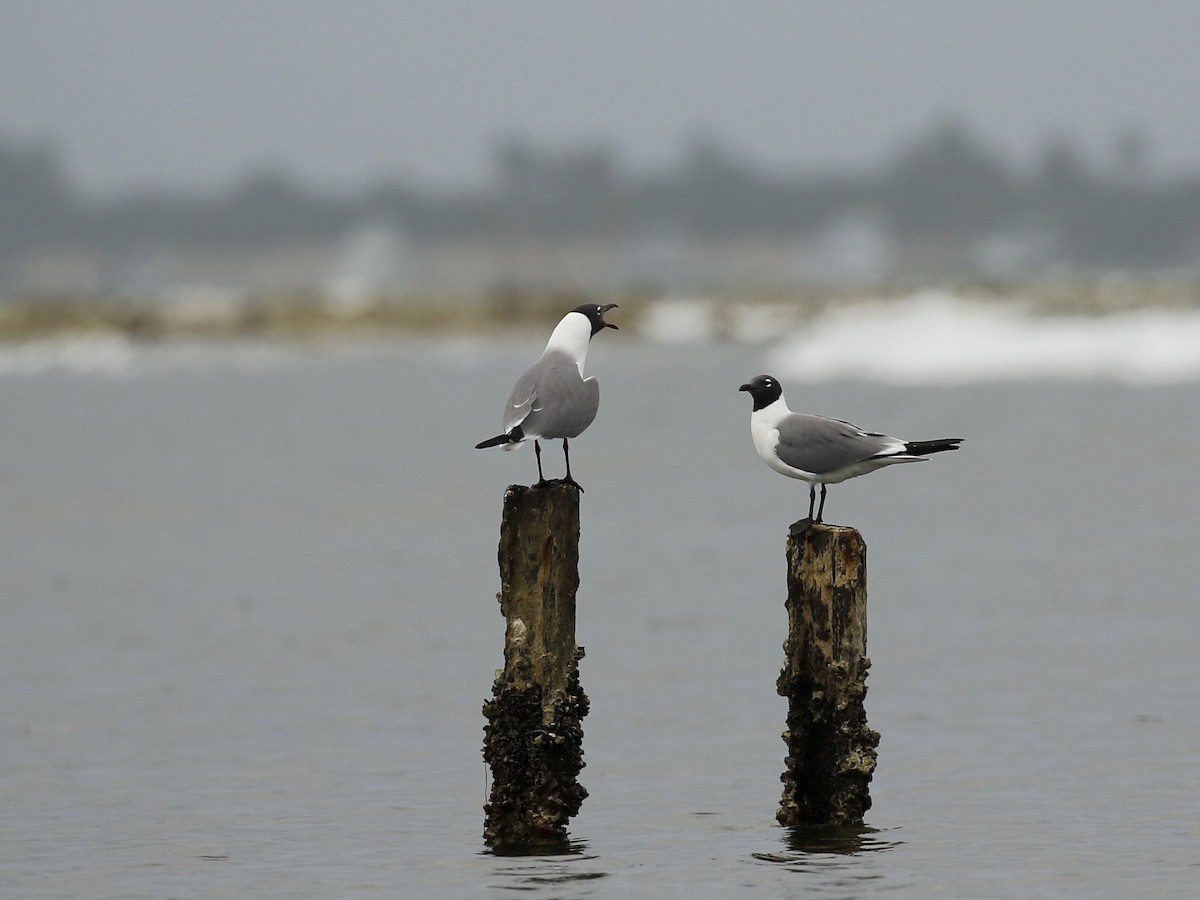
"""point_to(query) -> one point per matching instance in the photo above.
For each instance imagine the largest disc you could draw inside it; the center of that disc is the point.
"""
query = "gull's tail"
(924, 448)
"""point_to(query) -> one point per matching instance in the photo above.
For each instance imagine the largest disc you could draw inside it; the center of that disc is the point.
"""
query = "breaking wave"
(938, 338)
(115, 354)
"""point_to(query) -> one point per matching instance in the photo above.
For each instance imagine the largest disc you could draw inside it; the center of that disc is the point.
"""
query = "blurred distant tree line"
(944, 186)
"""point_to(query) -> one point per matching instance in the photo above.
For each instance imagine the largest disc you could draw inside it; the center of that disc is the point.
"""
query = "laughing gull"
(820, 450)
(552, 399)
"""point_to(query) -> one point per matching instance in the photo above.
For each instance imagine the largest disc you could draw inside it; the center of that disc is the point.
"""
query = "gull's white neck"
(571, 336)
(764, 430)
(772, 413)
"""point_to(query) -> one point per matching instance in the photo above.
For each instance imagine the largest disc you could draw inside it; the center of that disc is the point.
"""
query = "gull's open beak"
(605, 309)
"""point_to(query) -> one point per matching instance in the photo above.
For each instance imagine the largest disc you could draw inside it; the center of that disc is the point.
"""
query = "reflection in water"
(845, 840)
(544, 863)
(833, 851)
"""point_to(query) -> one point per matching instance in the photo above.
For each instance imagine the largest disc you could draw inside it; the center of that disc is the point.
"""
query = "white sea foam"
(680, 320)
(939, 338)
(113, 354)
(83, 354)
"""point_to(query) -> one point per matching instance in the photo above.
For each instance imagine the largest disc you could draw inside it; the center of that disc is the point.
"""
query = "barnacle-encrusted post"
(831, 751)
(533, 739)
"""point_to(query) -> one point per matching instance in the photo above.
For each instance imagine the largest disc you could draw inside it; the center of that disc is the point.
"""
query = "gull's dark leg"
(567, 457)
(537, 450)
(802, 526)
(821, 508)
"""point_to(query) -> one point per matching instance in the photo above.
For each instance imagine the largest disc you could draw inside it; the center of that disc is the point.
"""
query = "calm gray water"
(249, 622)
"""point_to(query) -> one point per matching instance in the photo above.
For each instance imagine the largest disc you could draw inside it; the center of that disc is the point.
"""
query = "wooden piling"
(533, 739)
(831, 751)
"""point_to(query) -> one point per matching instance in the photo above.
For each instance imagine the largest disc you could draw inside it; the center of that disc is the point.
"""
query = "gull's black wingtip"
(941, 445)
(510, 437)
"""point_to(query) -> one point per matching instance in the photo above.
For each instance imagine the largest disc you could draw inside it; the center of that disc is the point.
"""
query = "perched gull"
(820, 450)
(552, 399)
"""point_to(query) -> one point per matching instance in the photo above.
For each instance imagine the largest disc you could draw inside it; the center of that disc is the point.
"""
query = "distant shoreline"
(215, 315)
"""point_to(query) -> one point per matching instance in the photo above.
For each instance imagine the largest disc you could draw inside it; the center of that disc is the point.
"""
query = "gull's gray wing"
(521, 400)
(551, 400)
(821, 445)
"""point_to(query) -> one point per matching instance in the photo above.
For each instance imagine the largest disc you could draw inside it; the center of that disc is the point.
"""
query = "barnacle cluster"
(534, 760)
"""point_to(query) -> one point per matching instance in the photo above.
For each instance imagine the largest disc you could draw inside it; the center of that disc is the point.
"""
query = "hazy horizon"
(192, 96)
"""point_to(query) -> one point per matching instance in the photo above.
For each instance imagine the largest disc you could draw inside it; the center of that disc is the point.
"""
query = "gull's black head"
(595, 314)
(764, 389)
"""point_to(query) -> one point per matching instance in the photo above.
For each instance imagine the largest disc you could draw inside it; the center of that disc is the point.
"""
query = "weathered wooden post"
(831, 751)
(533, 739)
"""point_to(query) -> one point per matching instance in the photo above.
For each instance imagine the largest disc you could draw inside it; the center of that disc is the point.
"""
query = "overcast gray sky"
(195, 93)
